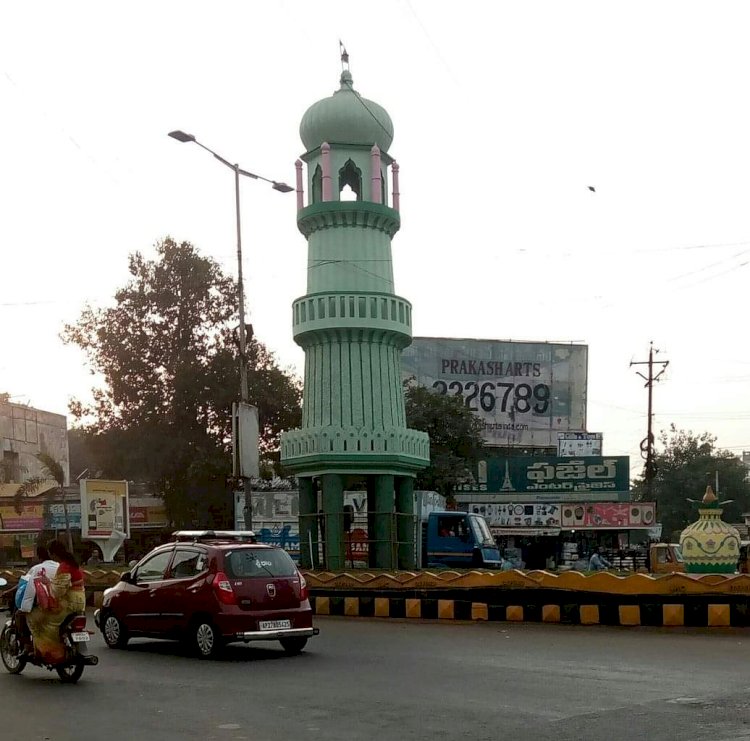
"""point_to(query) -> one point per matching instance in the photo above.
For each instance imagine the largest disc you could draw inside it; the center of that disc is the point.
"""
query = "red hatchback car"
(210, 588)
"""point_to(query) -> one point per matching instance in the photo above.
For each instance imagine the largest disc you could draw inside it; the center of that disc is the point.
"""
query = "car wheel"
(114, 632)
(293, 646)
(206, 641)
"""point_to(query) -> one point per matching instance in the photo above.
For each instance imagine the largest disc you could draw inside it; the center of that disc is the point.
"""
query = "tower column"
(300, 188)
(396, 193)
(325, 166)
(376, 180)
(405, 522)
(308, 523)
(333, 508)
(381, 539)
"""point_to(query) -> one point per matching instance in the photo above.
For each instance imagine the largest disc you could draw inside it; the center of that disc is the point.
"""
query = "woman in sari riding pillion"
(67, 590)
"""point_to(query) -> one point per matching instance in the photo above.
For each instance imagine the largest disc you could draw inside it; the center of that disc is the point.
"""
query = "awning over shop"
(527, 532)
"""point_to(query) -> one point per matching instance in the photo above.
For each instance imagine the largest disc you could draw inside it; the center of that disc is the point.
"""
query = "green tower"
(352, 327)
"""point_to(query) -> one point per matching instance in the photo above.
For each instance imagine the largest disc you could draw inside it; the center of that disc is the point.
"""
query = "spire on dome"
(344, 56)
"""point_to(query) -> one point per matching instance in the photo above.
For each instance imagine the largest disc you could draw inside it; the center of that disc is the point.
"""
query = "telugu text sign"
(524, 392)
(551, 475)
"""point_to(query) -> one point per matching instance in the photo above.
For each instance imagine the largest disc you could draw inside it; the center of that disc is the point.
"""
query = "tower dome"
(346, 118)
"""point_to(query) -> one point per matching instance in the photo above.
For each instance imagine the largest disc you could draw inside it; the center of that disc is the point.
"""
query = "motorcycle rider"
(45, 566)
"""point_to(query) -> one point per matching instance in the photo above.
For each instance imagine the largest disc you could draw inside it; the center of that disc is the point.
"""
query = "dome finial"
(709, 497)
(346, 76)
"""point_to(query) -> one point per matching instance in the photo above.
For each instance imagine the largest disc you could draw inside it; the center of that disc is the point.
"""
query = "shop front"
(550, 512)
(564, 535)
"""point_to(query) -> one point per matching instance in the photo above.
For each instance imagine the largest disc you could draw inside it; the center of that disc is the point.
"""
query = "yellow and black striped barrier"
(670, 614)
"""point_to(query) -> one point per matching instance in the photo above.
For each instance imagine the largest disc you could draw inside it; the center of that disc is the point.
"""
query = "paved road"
(371, 679)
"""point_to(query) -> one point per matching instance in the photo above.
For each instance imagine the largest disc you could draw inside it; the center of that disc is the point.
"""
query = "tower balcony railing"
(360, 214)
(351, 310)
(347, 441)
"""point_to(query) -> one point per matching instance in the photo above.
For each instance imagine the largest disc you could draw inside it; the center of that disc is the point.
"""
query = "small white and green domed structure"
(710, 545)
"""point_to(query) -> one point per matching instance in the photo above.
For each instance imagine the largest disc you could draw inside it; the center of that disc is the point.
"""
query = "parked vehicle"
(665, 558)
(209, 588)
(73, 634)
(458, 539)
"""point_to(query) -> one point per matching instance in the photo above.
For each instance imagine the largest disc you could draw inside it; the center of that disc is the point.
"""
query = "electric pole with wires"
(647, 444)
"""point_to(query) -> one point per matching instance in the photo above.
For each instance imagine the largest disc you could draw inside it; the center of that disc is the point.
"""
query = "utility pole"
(647, 444)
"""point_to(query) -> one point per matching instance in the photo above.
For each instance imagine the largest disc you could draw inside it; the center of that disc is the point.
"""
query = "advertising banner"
(612, 515)
(524, 392)
(579, 444)
(245, 440)
(519, 515)
(551, 475)
(104, 507)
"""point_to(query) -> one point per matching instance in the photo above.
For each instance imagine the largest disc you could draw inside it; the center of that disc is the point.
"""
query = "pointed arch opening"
(350, 175)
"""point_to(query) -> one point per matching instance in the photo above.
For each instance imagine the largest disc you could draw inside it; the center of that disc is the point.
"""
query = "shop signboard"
(104, 507)
(579, 444)
(30, 517)
(613, 515)
(551, 475)
(148, 516)
(524, 392)
(56, 516)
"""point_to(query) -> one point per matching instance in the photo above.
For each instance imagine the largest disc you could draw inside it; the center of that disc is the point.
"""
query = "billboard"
(524, 392)
(104, 508)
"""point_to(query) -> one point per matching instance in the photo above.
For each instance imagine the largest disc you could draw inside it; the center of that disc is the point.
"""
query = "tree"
(455, 438)
(51, 469)
(686, 464)
(167, 353)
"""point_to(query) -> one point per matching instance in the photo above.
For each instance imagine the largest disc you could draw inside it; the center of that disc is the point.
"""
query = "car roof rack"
(242, 536)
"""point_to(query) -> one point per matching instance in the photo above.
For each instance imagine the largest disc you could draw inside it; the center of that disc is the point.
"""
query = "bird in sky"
(592, 188)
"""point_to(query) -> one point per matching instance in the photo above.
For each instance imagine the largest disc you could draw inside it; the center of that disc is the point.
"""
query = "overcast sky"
(504, 114)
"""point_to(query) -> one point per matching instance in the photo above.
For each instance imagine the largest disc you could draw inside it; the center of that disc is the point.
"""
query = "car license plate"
(275, 624)
(80, 637)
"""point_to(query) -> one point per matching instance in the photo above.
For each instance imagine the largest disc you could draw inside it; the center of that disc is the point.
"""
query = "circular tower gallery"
(352, 327)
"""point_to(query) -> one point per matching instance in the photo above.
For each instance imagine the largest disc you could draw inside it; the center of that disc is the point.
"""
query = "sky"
(504, 113)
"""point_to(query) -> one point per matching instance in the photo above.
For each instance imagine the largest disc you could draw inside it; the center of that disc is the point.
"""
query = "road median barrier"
(572, 598)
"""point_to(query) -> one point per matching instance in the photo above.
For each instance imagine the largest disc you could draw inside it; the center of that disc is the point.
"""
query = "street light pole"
(244, 395)
(282, 187)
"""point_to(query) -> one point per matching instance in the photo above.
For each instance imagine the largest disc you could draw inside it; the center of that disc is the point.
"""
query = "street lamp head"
(181, 136)
(282, 187)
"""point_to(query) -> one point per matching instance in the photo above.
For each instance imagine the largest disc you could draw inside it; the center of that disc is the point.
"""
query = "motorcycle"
(16, 653)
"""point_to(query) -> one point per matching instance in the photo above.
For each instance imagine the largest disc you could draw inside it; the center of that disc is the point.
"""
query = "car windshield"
(678, 553)
(482, 531)
(245, 563)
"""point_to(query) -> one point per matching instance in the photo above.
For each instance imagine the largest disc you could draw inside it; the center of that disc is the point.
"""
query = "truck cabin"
(458, 539)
